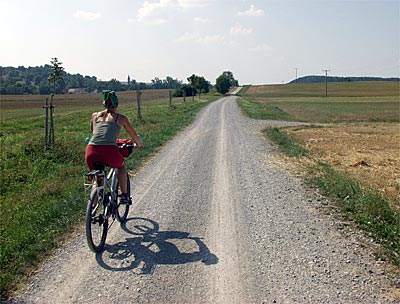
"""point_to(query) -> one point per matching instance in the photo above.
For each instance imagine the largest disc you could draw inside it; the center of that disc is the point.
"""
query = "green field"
(42, 197)
(335, 89)
(355, 102)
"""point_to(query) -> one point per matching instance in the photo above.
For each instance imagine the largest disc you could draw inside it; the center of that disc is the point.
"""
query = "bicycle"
(104, 203)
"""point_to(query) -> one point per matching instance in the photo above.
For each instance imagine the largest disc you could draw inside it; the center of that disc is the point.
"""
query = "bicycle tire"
(122, 210)
(96, 222)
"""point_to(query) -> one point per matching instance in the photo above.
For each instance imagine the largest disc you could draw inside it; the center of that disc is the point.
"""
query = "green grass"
(354, 101)
(368, 209)
(290, 146)
(42, 197)
(335, 89)
(259, 110)
(341, 109)
(326, 110)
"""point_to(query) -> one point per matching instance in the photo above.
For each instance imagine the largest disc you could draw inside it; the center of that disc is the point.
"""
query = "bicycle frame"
(101, 182)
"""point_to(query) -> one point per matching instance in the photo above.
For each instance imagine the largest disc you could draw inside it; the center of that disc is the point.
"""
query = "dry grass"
(369, 153)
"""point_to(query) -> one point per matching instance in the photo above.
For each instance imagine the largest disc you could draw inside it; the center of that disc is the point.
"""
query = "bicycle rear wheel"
(122, 209)
(96, 221)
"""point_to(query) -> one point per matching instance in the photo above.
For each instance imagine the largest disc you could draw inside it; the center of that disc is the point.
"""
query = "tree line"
(319, 78)
(42, 80)
(34, 80)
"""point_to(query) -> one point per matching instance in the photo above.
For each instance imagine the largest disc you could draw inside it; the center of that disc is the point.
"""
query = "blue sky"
(260, 41)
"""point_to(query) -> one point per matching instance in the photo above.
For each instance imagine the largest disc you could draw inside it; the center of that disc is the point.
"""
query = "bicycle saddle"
(99, 166)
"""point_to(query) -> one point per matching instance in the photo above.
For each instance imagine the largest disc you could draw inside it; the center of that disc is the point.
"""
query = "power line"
(326, 82)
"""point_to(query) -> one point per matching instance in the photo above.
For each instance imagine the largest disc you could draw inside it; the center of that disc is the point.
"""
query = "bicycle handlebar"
(126, 149)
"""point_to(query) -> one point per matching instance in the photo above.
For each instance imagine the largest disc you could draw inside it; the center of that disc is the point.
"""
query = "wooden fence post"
(170, 98)
(46, 134)
(139, 109)
(184, 95)
(51, 137)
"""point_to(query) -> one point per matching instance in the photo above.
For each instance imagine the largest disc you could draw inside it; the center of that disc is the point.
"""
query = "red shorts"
(108, 155)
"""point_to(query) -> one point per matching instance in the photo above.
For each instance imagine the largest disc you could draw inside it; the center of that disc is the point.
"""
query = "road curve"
(214, 222)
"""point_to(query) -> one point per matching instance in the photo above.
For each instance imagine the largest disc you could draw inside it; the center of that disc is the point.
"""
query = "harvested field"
(370, 153)
(24, 106)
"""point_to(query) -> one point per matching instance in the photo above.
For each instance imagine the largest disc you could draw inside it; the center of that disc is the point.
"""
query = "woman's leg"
(121, 173)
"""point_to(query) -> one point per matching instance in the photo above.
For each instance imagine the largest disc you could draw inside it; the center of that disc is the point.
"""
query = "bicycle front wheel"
(122, 209)
(96, 222)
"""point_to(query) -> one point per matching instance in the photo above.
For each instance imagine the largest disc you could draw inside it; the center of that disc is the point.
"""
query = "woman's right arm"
(131, 131)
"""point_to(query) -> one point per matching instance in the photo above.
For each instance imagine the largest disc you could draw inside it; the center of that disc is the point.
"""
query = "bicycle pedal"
(98, 220)
(126, 201)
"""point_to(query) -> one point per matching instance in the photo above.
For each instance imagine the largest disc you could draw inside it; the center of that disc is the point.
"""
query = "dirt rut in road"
(228, 287)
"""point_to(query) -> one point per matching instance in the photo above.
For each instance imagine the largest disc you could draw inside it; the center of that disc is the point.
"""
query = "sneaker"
(124, 199)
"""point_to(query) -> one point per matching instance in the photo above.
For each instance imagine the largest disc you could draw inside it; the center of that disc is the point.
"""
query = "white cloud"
(155, 12)
(186, 37)
(239, 29)
(261, 48)
(88, 16)
(194, 3)
(210, 39)
(162, 11)
(196, 37)
(201, 20)
(252, 12)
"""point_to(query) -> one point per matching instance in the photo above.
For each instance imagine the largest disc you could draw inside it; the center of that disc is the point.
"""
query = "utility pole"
(326, 82)
(296, 74)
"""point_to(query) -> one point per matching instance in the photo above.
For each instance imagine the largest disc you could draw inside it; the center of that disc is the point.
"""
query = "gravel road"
(214, 222)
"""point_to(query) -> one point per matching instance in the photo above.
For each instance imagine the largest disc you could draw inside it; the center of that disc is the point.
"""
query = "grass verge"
(368, 209)
(288, 145)
(42, 197)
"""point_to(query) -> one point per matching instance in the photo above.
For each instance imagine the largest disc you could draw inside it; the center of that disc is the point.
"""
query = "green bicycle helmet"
(110, 99)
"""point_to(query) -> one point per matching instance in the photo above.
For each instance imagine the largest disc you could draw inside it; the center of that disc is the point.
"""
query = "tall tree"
(232, 79)
(157, 83)
(223, 83)
(55, 72)
(199, 83)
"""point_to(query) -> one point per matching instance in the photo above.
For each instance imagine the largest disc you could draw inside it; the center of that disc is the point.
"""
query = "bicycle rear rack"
(89, 178)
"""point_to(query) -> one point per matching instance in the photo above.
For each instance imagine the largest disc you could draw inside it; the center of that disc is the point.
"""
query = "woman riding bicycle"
(102, 148)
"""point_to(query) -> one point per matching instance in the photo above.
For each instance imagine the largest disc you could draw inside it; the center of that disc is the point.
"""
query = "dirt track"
(213, 222)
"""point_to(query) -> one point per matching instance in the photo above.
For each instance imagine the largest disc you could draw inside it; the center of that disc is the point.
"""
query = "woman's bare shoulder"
(122, 116)
(97, 114)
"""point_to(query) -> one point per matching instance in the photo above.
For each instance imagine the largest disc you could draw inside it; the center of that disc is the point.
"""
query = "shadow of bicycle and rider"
(150, 247)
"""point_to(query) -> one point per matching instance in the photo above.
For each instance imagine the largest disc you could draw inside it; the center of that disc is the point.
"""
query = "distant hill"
(315, 78)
